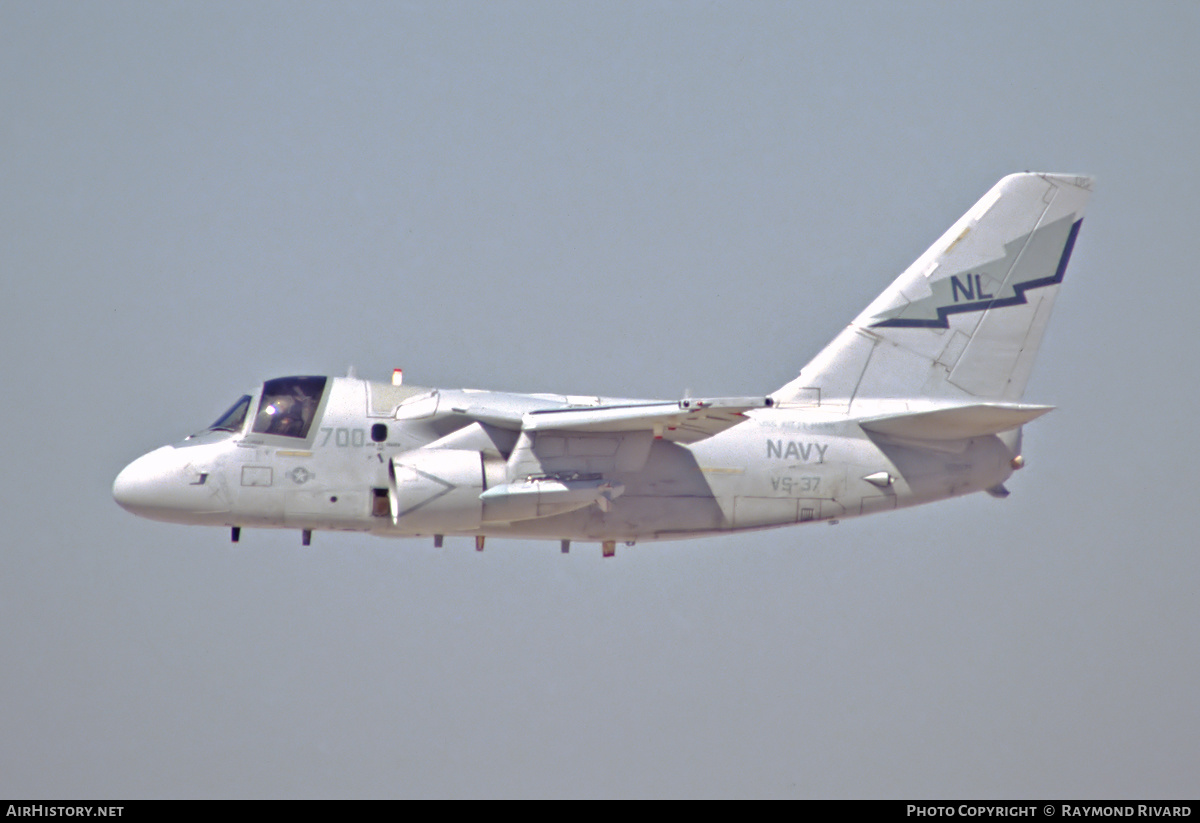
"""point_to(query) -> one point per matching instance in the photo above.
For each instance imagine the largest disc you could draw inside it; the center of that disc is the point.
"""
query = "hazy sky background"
(630, 199)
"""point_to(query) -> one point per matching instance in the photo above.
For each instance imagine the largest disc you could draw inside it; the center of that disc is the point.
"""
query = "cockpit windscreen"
(232, 420)
(289, 405)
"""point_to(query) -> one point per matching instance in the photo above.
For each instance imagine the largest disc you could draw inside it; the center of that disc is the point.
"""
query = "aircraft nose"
(162, 486)
(143, 486)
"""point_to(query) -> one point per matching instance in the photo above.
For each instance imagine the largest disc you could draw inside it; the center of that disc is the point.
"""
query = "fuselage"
(318, 453)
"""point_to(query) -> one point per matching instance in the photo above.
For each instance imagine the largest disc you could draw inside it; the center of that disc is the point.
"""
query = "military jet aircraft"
(917, 400)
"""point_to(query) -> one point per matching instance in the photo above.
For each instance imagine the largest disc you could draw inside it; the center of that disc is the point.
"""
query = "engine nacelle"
(434, 491)
(437, 490)
(546, 497)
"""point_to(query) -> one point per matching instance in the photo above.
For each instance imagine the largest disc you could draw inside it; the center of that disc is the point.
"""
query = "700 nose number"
(344, 437)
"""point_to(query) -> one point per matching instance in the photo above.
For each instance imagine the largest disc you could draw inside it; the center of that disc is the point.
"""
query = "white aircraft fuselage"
(917, 400)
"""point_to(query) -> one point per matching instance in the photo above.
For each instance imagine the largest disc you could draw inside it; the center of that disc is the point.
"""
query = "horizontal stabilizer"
(684, 421)
(956, 422)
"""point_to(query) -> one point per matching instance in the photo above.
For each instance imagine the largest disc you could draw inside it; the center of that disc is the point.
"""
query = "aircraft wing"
(682, 421)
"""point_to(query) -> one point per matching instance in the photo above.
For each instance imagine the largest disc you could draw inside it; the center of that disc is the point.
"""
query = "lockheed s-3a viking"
(918, 399)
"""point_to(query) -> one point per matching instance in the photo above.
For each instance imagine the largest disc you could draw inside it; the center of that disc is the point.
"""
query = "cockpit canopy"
(287, 407)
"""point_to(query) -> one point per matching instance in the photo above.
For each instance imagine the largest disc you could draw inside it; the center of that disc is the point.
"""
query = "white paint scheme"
(916, 400)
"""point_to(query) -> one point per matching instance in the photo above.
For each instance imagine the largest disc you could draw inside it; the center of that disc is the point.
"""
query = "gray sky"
(619, 198)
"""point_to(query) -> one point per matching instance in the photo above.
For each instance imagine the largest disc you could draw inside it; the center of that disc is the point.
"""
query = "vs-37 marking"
(796, 485)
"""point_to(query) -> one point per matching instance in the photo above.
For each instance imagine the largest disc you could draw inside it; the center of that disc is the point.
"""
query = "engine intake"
(437, 490)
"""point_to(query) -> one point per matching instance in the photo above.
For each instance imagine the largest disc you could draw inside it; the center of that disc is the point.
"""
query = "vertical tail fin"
(964, 322)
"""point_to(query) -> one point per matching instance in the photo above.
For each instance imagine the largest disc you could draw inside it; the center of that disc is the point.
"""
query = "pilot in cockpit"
(288, 406)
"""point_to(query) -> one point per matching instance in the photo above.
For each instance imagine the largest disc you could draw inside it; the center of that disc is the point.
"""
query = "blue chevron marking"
(1017, 298)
